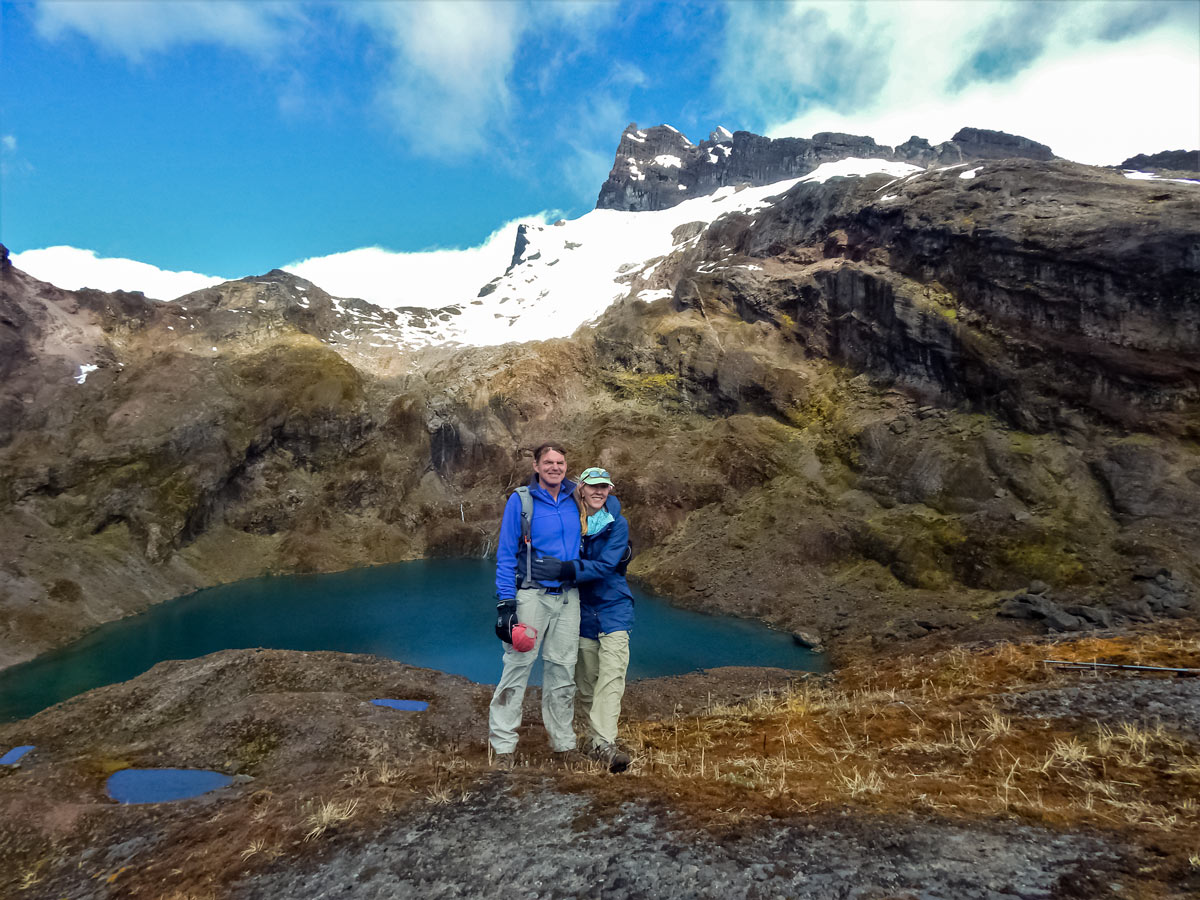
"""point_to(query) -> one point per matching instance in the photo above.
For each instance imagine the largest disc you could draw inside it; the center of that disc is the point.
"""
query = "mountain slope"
(866, 406)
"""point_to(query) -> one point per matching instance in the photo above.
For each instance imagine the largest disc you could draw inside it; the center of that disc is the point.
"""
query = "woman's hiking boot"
(504, 762)
(612, 756)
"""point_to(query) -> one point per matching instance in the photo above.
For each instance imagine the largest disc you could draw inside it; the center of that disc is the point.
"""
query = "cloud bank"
(1097, 81)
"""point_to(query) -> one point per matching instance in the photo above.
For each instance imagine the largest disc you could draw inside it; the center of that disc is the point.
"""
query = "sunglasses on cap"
(596, 475)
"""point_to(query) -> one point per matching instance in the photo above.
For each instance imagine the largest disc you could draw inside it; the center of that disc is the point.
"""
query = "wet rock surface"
(523, 836)
(1150, 701)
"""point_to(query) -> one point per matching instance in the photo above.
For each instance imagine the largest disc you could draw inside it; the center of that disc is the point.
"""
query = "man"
(550, 606)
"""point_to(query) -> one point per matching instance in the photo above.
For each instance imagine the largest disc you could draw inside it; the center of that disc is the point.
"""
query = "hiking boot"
(569, 758)
(504, 762)
(612, 756)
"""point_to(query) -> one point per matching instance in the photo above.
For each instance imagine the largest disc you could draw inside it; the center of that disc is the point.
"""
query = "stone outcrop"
(659, 168)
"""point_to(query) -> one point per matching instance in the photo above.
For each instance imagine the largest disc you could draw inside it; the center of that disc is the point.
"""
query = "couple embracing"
(560, 583)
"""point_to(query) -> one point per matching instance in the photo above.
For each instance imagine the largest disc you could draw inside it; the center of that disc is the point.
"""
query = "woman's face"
(594, 495)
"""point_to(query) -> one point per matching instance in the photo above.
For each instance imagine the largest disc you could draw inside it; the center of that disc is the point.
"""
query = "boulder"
(1036, 607)
(1102, 618)
(808, 640)
(1135, 610)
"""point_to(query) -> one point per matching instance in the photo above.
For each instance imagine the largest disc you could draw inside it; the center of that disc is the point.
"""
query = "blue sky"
(228, 138)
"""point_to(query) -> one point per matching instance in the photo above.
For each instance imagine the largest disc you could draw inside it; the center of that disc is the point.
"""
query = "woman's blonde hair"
(582, 507)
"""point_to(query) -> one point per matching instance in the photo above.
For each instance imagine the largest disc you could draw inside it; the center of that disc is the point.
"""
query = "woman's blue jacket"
(605, 602)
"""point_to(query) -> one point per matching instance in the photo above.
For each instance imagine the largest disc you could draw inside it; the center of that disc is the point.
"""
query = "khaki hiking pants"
(600, 682)
(556, 618)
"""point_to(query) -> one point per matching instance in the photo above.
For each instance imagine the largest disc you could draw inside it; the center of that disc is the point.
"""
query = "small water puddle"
(13, 756)
(163, 785)
(406, 705)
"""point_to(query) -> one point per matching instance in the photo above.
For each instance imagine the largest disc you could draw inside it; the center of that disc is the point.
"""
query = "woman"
(605, 613)
(605, 616)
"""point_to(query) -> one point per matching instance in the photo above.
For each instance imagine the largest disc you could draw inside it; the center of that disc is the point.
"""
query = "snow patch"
(1150, 176)
(668, 162)
(84, 371)
(853, 167)
(73, 269)
(649, 296)
(971, 173)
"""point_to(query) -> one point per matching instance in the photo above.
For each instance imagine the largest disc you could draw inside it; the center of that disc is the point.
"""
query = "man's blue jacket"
(554, 531)
(605, 601)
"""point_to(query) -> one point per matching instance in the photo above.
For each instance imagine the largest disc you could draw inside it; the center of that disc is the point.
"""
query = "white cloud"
(71, 269)
(448, 82)
(431, 278)
(9, 142)
(1055, 72)
(449, 86)
(137, 29)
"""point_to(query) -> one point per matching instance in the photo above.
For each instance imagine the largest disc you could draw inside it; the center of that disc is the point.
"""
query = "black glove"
(506, 618)
(547, 568)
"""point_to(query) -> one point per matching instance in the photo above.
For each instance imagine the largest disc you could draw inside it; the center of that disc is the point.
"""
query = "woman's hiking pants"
(600, 681)
(556, 618)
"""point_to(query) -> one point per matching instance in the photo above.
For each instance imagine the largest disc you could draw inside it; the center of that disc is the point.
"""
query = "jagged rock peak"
(658, 167)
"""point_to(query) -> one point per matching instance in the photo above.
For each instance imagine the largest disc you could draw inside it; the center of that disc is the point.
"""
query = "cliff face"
(659, 168)
(868, 408)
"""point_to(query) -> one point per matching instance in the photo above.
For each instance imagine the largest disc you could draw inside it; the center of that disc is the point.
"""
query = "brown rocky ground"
(967, 773)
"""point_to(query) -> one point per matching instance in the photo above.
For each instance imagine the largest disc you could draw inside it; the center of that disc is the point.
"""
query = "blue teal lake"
(437, 614)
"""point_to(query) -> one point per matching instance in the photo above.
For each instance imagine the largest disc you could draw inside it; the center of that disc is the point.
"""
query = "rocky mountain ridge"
(1185, 161)
(867, 407)
(659, 168)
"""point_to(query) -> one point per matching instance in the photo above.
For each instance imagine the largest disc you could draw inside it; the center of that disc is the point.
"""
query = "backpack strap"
(526, 530)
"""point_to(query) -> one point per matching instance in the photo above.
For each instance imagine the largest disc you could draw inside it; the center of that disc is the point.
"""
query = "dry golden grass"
(926, 733)
(327, 813)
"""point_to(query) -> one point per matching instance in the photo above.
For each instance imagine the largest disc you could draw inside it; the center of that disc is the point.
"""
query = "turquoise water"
(436, 613)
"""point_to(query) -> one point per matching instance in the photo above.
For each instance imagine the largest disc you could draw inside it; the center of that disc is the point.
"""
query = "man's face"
(551, 469)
